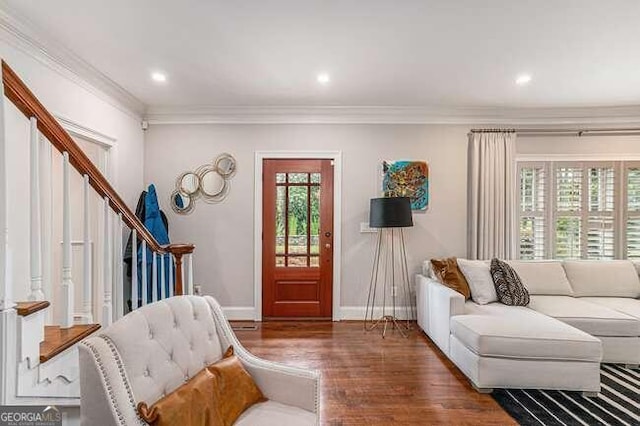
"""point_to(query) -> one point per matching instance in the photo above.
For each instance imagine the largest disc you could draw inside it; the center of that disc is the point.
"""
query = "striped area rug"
(617, 404)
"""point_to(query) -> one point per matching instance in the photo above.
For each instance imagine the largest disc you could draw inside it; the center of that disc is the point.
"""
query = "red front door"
(297, 243)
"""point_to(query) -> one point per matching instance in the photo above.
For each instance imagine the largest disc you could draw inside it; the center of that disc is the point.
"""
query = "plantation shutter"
(599, 227)
(569, 189)
(533, 178)
(632, 210)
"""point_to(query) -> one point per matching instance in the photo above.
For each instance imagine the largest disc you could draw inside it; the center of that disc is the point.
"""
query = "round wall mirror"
(181, 203)
(212, 184)
(189, 183)
(225, 165)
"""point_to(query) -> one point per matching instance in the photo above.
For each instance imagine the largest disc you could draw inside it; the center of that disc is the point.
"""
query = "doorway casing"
(336, 156)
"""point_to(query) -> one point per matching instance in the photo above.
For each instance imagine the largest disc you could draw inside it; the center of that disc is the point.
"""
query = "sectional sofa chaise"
(581, 313)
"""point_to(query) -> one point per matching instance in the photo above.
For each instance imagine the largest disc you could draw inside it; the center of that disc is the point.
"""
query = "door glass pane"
(315, 177)
(315, 262)
(298, 177)
(315, 219)
(298, 261)
(281, 200)
(281, 177)
(279, 261)
(297, 219)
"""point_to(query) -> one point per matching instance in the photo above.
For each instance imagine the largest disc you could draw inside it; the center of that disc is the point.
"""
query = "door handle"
(327, 246)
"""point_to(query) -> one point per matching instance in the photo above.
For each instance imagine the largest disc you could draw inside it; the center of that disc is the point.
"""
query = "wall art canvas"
(407, 179)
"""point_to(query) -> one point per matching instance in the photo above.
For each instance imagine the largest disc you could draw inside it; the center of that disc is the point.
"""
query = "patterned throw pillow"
(509, 287)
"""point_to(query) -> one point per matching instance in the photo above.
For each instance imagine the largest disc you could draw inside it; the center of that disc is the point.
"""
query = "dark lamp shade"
(392, 212)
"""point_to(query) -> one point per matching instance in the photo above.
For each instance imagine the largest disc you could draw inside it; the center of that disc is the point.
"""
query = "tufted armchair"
(153, 350)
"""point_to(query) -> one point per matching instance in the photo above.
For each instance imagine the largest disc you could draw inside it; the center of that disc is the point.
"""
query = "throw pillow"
(448, 273)
(478, 276)
(509, 287)
(236, 389)
(192, 404)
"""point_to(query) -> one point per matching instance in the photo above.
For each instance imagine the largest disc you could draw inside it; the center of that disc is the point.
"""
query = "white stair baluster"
(163, 278)
(6, 297)
(118, 269)
(134, 270)
(87, 278)
(36, 292)
(154, 276)
(67, 282)
(190, 276)
(47, 184)
(145, 292)
(171, 279)
(107, 277)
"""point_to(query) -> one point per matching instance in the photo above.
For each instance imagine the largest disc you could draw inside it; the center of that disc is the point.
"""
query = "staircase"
(38, 336)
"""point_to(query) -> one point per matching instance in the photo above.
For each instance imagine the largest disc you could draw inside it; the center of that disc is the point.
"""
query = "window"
(579, 210)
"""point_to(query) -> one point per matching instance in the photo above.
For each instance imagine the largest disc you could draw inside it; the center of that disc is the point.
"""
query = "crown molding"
(20, 34)
(395, 115)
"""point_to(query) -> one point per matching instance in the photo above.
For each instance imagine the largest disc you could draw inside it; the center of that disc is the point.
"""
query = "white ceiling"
(378, 52)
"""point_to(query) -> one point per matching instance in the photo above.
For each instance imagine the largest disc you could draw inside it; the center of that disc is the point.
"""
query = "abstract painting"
(407, 179)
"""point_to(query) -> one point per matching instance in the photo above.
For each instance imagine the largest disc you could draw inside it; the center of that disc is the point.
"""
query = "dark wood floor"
(368, 380)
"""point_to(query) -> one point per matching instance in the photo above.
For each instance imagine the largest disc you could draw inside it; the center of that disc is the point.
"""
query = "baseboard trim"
(347, 313)
(240, 313)
(350, 313)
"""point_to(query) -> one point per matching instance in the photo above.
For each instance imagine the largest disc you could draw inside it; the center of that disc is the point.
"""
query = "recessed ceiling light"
(158, 77)
(523, 79)
(323, 78)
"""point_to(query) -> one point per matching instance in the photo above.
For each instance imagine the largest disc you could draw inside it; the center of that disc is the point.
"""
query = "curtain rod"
(566, 131)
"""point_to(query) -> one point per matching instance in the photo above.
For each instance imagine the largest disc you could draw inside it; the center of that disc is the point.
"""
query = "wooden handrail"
(30, 106)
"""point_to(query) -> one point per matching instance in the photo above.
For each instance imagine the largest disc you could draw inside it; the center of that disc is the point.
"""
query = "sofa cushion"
(478, 276)
(448, 273)
(606, 278)
(273, 413)
(594, 319)
(509, 288)
(497, 330)
(542, 276)
(625, 305)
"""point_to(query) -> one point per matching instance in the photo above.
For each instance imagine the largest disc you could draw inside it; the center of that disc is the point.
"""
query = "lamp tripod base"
(389, 303)
(386, 320)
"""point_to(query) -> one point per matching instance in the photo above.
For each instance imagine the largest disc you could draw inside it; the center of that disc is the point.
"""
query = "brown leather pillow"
(450, 275)
(236, 389)
(192, 404)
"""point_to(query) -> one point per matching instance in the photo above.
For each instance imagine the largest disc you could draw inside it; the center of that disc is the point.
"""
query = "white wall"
(223, 233)
(605, 147)
(62, 97)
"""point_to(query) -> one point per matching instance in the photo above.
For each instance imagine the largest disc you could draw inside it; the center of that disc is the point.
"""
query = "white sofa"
(581, 313)
(153, 350)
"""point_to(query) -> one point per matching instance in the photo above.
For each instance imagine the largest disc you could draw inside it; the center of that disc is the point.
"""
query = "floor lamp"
(389, 274)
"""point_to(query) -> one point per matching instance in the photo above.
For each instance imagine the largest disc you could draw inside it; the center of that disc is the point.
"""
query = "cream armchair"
(153, 350)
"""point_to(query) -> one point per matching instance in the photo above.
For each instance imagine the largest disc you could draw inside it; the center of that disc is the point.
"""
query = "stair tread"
(27, 308)
(57, 339)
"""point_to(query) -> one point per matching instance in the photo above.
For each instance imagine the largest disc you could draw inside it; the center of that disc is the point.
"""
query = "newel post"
(178, 251)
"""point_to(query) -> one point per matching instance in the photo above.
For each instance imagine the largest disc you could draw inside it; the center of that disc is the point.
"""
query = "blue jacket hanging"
(156, 226)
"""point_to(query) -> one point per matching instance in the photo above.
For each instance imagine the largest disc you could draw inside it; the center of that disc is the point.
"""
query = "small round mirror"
(189, 183)
(212, 183)
(181, 203)
(225, 165)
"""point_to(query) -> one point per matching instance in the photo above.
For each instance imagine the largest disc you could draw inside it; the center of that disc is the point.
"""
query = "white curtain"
(492, 229)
